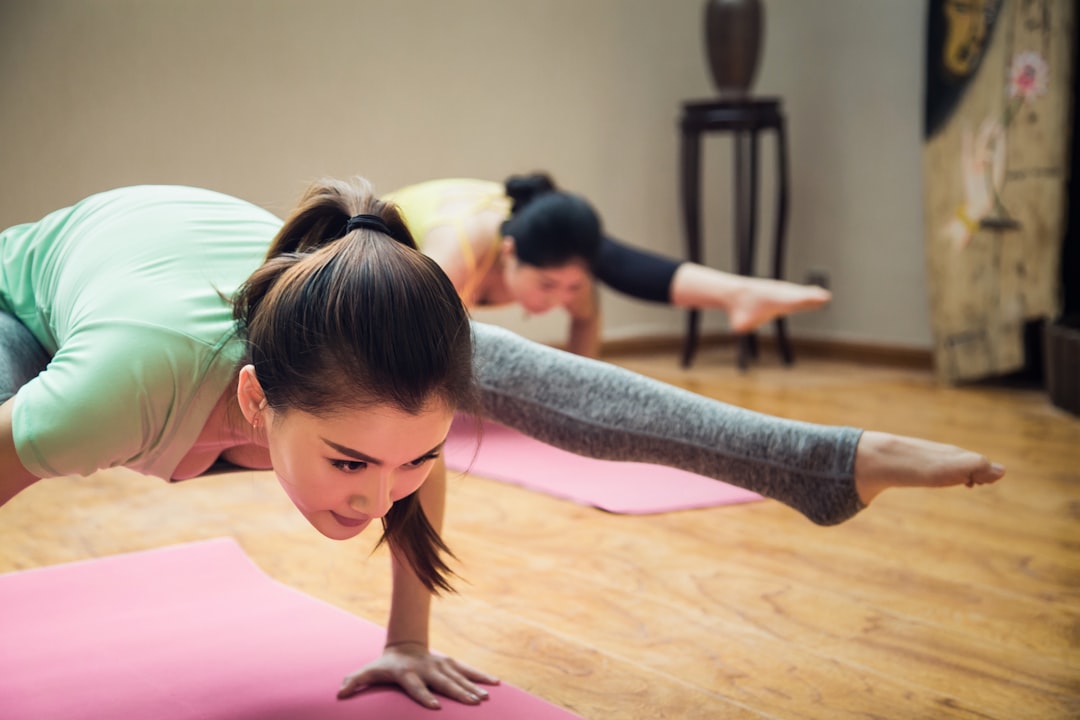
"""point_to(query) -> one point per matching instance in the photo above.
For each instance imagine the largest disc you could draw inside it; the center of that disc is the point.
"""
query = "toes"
(985, 473)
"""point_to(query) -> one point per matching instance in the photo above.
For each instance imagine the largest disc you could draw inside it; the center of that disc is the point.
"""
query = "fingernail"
(997, 468)
(474, 697)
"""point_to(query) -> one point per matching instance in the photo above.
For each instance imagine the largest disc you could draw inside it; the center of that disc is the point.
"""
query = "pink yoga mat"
(195, 632)
(618, 487)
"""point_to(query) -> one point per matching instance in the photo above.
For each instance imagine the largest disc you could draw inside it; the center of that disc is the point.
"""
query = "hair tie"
(371, 222)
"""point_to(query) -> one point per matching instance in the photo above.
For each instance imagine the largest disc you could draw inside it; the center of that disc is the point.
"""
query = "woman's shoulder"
(143, 215)
(122, 199)
(123, 395)
(450, 211)
(449, 185)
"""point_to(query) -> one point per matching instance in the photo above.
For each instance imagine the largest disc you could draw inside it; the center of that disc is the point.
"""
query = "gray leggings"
(599, 410)
(596, 409)
(21, 356)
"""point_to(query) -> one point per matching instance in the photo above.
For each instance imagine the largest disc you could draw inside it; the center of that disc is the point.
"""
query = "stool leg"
(782, 343)
(691, 206)
(693, 318)
(751, 224)
(743, 225)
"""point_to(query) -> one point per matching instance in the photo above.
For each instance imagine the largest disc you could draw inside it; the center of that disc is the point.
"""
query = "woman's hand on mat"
(419, 672)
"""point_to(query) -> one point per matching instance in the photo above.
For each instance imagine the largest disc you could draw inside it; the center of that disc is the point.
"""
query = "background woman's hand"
(419, 672)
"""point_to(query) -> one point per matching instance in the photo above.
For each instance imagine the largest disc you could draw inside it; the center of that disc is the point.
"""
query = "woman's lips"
(350, 522)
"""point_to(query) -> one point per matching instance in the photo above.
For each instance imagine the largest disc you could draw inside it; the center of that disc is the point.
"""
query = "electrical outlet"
(818, 277)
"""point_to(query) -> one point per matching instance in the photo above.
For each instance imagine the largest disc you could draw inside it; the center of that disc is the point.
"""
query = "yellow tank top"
(422, 207)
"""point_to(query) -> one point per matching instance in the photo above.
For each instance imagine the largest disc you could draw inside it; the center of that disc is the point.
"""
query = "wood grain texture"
(931, 604)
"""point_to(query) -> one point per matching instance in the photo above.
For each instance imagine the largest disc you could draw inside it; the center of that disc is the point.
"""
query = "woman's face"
(539, 289)
(344, 471)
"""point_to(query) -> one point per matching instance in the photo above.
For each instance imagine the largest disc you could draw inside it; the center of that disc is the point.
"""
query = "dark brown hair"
(339, 321)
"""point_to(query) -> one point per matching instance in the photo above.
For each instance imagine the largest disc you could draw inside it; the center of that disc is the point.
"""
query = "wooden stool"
(744, 119)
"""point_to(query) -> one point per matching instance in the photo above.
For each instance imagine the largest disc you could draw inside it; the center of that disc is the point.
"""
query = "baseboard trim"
(866, 353)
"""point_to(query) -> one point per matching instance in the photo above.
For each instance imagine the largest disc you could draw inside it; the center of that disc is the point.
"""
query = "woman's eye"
(349, 466)
(422, 460)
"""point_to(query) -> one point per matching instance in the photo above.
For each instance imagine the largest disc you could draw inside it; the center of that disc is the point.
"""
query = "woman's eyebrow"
(433, 450)
(355, 454)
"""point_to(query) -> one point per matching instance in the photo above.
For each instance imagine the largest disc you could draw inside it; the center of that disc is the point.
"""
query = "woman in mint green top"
(96, 307)
(182, 327)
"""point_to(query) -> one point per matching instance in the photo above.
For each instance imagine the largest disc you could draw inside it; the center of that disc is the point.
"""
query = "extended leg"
(599, 410)
(596, 409)
(749, 301)
(635, 272)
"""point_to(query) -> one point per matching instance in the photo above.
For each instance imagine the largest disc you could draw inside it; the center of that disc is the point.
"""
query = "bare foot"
(883, 461)
(762, 300)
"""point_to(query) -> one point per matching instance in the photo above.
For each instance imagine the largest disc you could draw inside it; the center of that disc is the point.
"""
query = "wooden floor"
(931, 604)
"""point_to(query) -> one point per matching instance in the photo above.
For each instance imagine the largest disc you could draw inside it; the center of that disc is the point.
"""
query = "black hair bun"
(523, 189)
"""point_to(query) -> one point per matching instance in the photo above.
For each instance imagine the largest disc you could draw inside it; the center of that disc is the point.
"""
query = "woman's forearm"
(410, 602)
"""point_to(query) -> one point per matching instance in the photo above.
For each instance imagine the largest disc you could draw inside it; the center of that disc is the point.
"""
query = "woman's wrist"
(399, 643)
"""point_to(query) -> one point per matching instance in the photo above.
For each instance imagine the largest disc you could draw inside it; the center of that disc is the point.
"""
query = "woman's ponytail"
(341, 317)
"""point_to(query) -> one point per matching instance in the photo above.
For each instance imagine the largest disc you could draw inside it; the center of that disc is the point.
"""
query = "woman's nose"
(373, 498)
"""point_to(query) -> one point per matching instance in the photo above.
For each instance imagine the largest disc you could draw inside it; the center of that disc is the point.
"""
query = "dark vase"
(733, 38)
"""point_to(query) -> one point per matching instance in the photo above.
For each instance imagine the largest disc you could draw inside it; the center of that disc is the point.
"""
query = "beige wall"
(256, 97)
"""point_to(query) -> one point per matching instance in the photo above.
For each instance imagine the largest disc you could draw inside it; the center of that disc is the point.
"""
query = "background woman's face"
(539, 289)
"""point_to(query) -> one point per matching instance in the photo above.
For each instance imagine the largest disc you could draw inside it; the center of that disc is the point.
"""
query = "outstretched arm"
(14, 478)
(585, 323)
(407, 660)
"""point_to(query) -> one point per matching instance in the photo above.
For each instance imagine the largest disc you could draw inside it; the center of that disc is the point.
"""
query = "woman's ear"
(250, 395)
(507, 248)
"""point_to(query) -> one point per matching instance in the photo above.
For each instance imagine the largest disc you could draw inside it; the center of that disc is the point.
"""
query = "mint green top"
(125, 289)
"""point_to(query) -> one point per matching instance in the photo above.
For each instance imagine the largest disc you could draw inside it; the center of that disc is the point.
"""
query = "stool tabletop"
(748, 102)
(745, 114)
